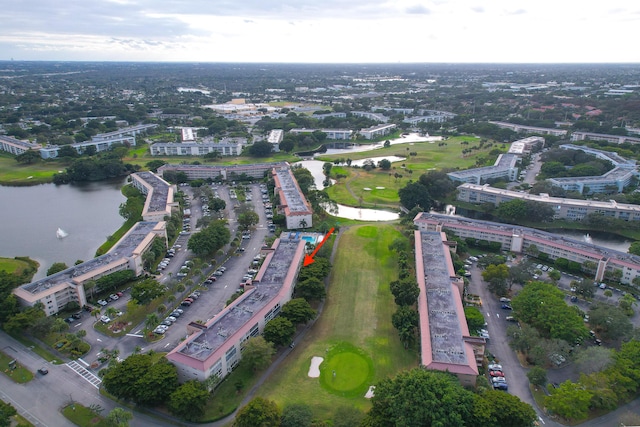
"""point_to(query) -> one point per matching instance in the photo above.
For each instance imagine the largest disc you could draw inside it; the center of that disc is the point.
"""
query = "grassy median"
(357, 312)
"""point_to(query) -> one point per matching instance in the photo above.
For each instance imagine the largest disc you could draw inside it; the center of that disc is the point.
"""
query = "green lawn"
(19, 374)
(14, 173)
(82, 416)
(358, 311)
(16, 266)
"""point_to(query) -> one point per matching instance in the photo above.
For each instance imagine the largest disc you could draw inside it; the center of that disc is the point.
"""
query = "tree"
(157, 384)
(497, 276)
(247, 220)
(279, 331)
(405, 291)
(29, 157)
(347, 416)
(189, 400)
(609, 322)
(537, 376)
(259, 412)
(420, 398)
(59, 326)
(475, 319)
(384, 164)
(626, 304)
(146, 291)
(554, 275)
(6, 412)
(634, 248)
(118, 417)
(570, 401)
(415, 194)
(151, 320)
(121, 380)
(56, 267)
(216, 204)
(593, 359)
(257, 353)
(298, 311)
(296, 415)
(498, 409)
(311, 289)
(210, 239)
(438, 184)
(406, 321)
(260, 149)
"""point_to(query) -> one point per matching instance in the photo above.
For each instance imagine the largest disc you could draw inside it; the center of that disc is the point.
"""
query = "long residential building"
(377, 131)
(523, 239)
(563, 208)
(530, 129)
(215, 348)
(445, 342)
(159, 200)
(222, 173)
(505, 167)
(371, 116)
(524, 146)
(291, 201)
(196, 148)
(59, 289)
(16, 146)
(335, 134)
(614, 139)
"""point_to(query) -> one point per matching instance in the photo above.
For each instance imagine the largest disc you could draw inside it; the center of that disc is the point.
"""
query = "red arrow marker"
(308, 259)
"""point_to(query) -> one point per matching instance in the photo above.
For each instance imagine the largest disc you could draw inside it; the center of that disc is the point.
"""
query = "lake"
(30, 216)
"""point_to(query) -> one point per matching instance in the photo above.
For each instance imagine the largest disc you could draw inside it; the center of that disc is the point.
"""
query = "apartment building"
(215, 348)
(332, 134)
(222, 173)
(371, 116)
(505, 167)
(16, 146)
(291, 201)
(445, 342)
(377, 131)
(530, 129)
(196, 148)
(159, 201)
(570, 209)
(523, 239)
(66, 286)
(524, 146)
(613, 139)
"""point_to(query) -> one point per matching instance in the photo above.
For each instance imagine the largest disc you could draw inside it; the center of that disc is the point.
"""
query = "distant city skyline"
(332, 31)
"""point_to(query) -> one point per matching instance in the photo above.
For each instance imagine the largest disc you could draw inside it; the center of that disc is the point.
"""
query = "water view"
(64, 223)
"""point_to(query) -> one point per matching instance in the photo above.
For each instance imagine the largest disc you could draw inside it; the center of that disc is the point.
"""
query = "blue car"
(506, 307)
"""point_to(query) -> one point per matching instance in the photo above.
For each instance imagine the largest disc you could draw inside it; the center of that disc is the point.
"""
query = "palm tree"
(59, 326)
(303, 223)
(151, 321)
(111, 312)
(96, 313)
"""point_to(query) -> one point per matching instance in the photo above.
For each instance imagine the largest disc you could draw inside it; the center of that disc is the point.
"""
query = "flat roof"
(222, 327)
(504, 162)
(288, 187)
(14, 141)
(123, 249)
(159, 198)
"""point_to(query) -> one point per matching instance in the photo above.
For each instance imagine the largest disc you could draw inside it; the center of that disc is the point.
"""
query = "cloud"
(478, 9)
(418, 9)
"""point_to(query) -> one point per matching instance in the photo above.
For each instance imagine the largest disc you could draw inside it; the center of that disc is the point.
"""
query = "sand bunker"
(314, 369)
(369, 394)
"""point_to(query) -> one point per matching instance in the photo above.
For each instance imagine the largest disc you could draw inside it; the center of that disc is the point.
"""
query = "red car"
(496, 374)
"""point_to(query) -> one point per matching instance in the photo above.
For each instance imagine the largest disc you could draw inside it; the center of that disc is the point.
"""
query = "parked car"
(496, 373)
(120, 294)
(175, 314)
(505, 299)
(501, 386)
(171, 319)
(113, 297)
(159, 331)
(166, 323)
(506, 307)
(185, 303)
(495, 367)
(105, 319)
(102, 302)
(510, 319)
(498, 380)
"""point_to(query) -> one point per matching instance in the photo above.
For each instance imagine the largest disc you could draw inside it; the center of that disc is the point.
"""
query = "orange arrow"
(308, 259)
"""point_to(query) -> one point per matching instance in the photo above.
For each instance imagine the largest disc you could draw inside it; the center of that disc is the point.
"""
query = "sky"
(327, 31)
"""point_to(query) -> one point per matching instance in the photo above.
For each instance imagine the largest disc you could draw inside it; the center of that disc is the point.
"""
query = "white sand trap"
(379, 188)
(369, 394)
(314, 369)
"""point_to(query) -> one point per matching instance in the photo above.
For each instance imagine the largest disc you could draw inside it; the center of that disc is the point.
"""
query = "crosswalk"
(84, 373)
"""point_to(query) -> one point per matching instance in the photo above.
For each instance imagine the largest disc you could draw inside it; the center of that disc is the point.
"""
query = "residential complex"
(196, 148)
(215, 348)
(66, 286)
(614, 180)
(371, 116)
(530, 129)
(524, 146)
(336, 134)
(529, 240)
(377, 131)
(222, 173)
(428, 116)
(505, 167)
(445, 342)
(291, 201)
(614, 139)
(16, 146)
(159, 200)
(571, 209)
(275, 138)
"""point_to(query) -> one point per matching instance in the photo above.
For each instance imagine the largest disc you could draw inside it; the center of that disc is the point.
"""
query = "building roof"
(24, 144)
(290, 194)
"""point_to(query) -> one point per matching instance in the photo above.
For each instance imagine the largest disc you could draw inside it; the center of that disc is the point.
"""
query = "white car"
(105, 319)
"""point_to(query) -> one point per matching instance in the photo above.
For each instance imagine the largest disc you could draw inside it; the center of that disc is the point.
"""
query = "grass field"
(358, 312)
(15, 266)
(14, 173)
(351, 190)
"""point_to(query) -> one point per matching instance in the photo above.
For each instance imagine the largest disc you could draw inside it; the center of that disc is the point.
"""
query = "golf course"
(354, 335)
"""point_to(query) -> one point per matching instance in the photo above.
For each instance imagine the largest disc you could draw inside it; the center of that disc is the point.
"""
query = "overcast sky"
(321, 31)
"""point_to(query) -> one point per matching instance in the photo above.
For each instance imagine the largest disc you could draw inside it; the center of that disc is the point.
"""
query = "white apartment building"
(504, 167)
(377, 131)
